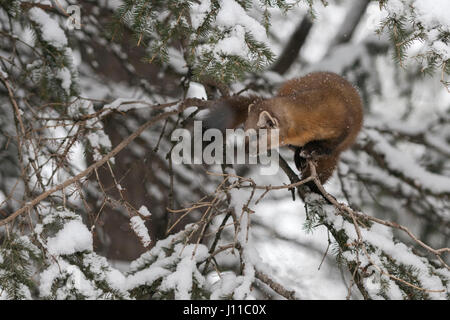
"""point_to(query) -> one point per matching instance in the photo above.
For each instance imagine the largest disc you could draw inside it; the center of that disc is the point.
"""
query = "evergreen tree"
(86, 176)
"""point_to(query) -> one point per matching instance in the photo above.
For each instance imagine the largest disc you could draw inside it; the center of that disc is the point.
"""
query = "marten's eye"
(270, 124)
(267, 121)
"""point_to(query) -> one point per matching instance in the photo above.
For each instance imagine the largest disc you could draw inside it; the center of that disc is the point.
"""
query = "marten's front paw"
(308, 154)
(313, 154)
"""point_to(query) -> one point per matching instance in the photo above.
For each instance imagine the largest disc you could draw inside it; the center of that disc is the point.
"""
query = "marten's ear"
(267, 121)
(250, 107)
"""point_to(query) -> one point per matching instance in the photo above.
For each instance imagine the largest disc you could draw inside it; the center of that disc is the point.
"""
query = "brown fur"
(320, 114)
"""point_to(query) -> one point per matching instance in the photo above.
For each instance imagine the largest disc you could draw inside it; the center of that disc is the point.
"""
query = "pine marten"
(319, 115)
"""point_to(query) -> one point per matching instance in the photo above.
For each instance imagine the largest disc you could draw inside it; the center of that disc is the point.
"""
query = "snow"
(232, 14)
(403, 163)
(235, 23)
(433, 14)
(157, 264)
(290, 255)
(222, 285)
(3, 74)
(124, 104)
(143, 211)
(322, 33)
(116, 279)
(21, 289)
(98, 140)
(293, 256)
(96, 136)
(196, 90)
(139, 228)
(75, 280)
(146, 277)
(234, 44)
(154, 264)
(80, 280)
(198, 12)
(381, 238)
(115, 104)
(176, 60)
(65, 77)
(442, 49)
(73, 237)
(243, 291)
(50, 29)
(396, 7)
(182, 279)
(104, 272)
(342, 57)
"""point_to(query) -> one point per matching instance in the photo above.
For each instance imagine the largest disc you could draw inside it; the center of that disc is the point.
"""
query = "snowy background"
(406, 118)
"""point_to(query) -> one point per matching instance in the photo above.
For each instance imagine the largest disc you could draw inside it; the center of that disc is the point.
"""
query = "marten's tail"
(228, 113)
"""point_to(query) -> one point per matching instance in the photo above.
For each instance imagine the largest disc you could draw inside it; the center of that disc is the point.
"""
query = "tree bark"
(296, 42)
(350, 23)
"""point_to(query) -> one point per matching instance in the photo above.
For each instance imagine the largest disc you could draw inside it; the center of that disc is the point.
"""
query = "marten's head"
(269, 114)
